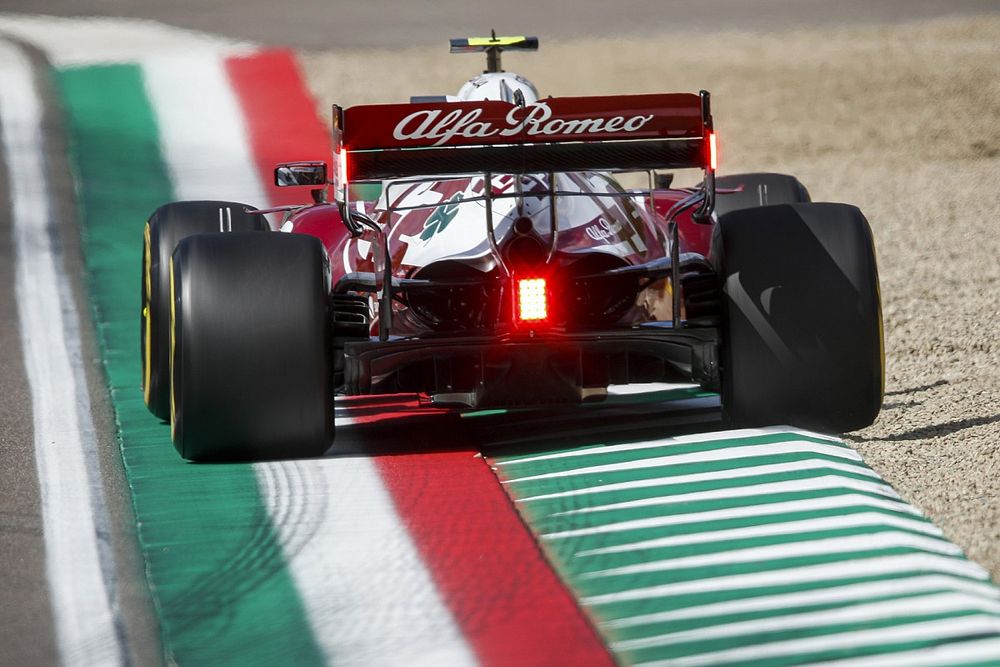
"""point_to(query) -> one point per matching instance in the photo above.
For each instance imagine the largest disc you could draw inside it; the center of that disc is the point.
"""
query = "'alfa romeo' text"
(442, 126)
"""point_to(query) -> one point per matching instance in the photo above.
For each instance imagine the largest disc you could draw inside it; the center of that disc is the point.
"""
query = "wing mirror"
(300, 173)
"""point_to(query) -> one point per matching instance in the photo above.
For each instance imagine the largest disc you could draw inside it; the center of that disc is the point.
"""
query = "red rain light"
(532, 301)
(713, 158)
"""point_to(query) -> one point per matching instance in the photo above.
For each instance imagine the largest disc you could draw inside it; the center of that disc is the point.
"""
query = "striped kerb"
(771, 547)
(216, 570)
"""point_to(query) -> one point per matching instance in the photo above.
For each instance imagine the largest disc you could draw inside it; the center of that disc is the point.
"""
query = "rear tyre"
(758, 190)
(802, 320)
(251, 348)
(165, 228)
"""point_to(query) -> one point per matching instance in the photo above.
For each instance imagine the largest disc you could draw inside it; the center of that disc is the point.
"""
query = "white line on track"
(897, 587)
(721, 454)
(981, 651)
(822, 483)
(76, 562)
(950, 628)
(840, 501)
(889, 539)
(863, 519)
(714, 476)
(850, 569)
(872, 612)
(697, 438)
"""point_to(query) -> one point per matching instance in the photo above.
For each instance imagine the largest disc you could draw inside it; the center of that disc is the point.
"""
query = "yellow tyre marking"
(881, 325)
(173, 342)
(147, 342)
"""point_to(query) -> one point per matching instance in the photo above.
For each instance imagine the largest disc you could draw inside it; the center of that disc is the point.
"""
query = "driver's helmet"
(501, 86)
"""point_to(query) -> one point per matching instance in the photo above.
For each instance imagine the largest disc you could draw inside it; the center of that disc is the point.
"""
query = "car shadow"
(929, 431)
(404, 424)
(917, 389)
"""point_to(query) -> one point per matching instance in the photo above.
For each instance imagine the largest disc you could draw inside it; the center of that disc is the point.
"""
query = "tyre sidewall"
(166, 227)
(802, 334)
(253, 367)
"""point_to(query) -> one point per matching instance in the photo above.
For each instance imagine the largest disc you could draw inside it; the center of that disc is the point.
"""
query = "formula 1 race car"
(487, 250)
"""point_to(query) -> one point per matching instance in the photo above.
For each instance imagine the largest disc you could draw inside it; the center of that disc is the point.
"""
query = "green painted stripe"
(687, 649)
(600, 562)
(581, 545)
(214, 565)
(722, 620)
(594, 509)
(626, 610)
(551, 524)
(552, 506)
(568, 458)
(615, 584)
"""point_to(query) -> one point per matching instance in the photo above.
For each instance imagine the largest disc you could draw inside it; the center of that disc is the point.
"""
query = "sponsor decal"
(441, 217)
(603, 230)
(442, 126)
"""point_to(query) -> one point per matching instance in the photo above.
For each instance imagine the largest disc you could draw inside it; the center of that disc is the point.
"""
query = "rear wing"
(629, 132)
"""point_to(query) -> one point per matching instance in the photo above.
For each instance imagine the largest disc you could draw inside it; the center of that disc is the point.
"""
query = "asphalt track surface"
(379, 24)
(25, 606)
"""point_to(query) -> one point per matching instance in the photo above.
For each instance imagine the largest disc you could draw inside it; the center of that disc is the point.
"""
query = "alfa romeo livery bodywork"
(477, 196)
(502, 250)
